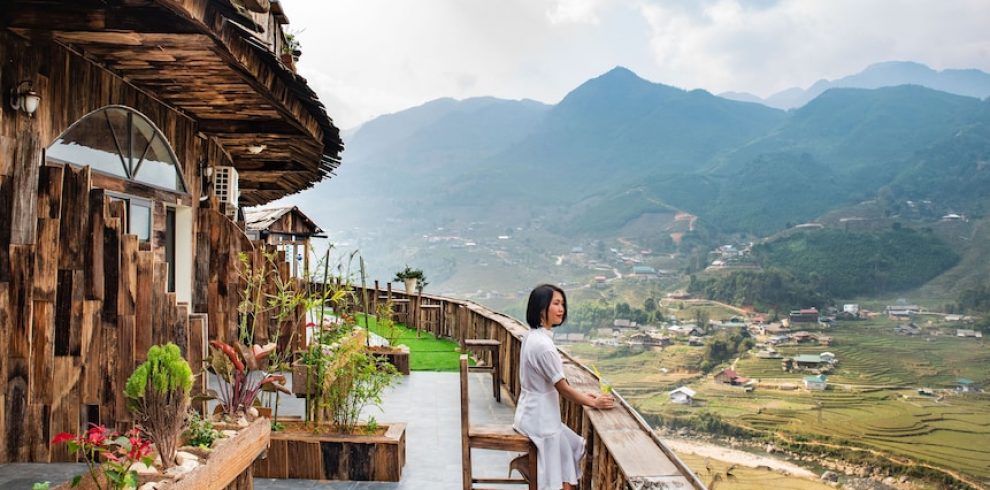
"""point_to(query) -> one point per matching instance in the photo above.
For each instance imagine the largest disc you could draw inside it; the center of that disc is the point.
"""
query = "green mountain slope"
(620, 154)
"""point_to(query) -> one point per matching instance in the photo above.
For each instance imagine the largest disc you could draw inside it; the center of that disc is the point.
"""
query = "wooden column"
(27, 162)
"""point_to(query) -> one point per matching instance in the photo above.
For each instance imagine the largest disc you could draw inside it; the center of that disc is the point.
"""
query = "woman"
(541, 374)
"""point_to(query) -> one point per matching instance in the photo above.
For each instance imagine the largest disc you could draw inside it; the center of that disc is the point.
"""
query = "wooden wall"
(80, 300)
(219, 284)
(88, 304)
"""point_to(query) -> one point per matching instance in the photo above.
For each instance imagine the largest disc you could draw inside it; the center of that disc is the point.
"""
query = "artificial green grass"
(426, 353)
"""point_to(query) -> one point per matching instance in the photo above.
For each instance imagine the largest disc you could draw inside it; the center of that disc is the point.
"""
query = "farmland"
(872, 407)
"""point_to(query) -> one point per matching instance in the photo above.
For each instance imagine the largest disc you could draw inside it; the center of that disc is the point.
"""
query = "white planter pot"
(411, 285)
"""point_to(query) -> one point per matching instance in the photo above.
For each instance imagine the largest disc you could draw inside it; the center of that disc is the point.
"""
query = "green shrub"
(166, 369)
(200, 432)
(158, 395)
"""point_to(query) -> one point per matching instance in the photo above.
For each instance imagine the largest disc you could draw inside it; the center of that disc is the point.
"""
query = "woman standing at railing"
(541, 374)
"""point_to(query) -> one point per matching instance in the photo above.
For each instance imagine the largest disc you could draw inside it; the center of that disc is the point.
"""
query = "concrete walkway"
(429, 403)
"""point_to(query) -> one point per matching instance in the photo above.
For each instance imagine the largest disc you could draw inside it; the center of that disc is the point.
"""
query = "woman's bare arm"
(587, 399)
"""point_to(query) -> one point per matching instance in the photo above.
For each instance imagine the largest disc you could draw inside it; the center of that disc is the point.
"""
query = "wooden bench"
(492, 348)
(491, 437)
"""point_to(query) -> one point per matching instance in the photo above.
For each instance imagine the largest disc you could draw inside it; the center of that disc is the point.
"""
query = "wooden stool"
(430, 317)
(491, 437)
(492, 347)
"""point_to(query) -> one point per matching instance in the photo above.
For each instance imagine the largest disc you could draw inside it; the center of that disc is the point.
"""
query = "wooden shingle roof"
(211, 61)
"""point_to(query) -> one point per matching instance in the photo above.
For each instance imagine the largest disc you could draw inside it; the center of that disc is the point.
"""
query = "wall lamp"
(256, 149)
(23, 98)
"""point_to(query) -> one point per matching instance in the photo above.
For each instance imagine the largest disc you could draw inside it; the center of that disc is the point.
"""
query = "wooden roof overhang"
(202, 58)
(265, 219)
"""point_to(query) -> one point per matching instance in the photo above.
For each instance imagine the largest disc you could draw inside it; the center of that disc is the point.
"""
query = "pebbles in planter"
(181, 457)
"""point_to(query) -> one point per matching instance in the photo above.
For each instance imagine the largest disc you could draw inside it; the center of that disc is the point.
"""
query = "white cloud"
(370, 57)
(729, 45)
(574, 11)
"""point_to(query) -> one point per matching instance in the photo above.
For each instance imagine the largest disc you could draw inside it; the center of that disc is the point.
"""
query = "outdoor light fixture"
(23, 98)
(256, 149)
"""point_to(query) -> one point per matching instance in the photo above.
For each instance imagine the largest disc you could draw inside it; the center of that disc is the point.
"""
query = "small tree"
(158, 395)
(386, 325)
(410, 273)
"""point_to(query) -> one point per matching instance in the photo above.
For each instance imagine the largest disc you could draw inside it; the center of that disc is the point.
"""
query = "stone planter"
(299, 453)
(411, 284)
(229, 465)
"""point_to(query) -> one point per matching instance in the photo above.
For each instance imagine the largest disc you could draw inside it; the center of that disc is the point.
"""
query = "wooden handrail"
(624, 451)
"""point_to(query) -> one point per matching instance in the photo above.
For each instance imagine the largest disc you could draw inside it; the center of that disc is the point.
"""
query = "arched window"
(122, 142)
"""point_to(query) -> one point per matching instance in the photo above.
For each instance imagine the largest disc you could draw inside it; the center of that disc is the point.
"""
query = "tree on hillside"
(701, 319)
(724, 346)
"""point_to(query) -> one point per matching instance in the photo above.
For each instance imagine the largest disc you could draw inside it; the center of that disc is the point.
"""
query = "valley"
(892, 397)
(682, 225)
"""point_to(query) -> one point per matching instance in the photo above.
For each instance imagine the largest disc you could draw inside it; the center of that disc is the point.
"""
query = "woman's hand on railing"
(600, 401)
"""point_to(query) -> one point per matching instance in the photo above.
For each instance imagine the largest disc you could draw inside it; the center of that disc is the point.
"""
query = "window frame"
(143, 202)
(130, 168)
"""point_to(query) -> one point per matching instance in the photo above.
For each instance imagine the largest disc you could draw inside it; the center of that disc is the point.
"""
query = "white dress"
(559, 449)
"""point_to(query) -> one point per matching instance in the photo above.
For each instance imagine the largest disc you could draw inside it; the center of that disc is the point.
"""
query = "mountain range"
(619, 149)
(974, 83)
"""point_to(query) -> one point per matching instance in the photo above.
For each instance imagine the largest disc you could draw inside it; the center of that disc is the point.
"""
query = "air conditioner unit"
(225, 188)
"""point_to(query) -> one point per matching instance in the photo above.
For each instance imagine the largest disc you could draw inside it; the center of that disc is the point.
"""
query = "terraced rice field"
(641, 371)
(872, 402)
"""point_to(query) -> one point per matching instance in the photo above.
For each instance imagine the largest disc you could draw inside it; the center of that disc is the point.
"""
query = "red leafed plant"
(109, 453)
(240, 375)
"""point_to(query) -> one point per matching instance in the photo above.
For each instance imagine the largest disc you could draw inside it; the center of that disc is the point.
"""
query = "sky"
(367, 58)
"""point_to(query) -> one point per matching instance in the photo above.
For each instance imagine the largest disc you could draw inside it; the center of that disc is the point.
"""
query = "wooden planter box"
(229, 466)
(299, 453)
(396, 357)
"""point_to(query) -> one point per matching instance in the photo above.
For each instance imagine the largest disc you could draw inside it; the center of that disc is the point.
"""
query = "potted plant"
(343, 378)
(339, 377)
(273, 308)
(240, 377)
(393, 353)
(414, 279)
(158, 395)
(291, 50)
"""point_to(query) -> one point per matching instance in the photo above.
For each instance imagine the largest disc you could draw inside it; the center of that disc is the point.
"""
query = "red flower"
(63, 437)
(96, 435)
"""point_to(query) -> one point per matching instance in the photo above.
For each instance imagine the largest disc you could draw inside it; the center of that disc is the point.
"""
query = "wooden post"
(374, 298)
(27, 162)
(306, 251)
(198, 353)
(417, 299)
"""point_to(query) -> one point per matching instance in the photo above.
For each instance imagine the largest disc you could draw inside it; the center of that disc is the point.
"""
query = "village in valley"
(896, 378)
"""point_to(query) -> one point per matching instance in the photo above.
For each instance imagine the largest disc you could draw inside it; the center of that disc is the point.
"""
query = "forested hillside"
(622, 155)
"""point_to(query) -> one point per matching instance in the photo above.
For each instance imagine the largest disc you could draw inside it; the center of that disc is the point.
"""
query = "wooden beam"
(74, 217)
(27, 162)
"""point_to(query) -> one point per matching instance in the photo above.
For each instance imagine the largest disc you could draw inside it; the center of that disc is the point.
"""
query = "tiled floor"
(429, 403)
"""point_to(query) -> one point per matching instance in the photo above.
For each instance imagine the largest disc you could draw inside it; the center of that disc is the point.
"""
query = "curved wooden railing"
(624, 452)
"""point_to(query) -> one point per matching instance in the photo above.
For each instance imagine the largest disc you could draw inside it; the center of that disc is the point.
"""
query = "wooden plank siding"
(624, 452)
(81, 300)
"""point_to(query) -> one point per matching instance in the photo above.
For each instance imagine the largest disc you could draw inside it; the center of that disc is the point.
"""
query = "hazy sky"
(371, 57)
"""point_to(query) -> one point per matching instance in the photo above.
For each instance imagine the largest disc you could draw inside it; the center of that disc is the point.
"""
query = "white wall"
(183, 254)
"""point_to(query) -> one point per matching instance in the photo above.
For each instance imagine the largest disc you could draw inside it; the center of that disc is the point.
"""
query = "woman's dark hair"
(539, 303)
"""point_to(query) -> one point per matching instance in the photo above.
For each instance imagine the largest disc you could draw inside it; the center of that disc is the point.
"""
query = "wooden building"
(118, 116)
(286, 229)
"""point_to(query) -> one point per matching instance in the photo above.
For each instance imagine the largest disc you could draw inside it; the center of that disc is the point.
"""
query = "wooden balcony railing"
(623, 451)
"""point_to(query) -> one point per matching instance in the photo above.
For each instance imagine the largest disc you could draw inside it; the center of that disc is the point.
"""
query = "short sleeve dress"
(559, 449)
